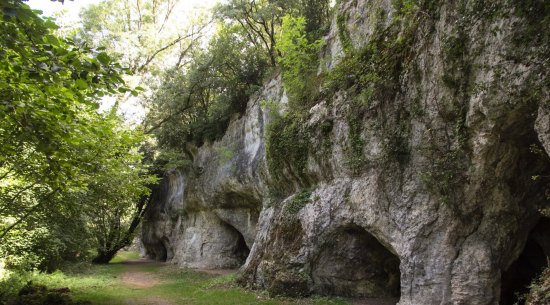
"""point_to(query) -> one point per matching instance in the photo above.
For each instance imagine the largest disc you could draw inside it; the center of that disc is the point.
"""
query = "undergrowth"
(299, 201)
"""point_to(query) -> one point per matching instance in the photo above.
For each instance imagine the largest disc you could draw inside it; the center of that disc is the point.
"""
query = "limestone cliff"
(418, 173)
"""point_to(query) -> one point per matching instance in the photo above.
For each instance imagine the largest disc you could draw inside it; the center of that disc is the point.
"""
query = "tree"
(136, 32)
(117, 194)
(298, 58)
(196, 104)
(53, 138)
(262, 19)
(258, 19)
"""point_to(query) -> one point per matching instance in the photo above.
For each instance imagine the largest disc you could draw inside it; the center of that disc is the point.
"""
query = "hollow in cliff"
(528, 266)
(354, 263)
(238, 246)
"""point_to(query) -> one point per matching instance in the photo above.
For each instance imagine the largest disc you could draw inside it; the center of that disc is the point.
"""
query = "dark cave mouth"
(239, 249)
(162, 254)
(528, 266)
(157, 251)
(355, 264)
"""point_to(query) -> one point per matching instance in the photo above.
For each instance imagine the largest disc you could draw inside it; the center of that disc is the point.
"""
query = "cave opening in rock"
(241, 249)
(157, 251)
(238, 246)
(353, 263)
(528, 266)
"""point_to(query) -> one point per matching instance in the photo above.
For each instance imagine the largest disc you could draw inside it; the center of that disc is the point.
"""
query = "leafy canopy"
(55, 144)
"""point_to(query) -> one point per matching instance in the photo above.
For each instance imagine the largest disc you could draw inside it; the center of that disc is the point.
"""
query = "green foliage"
(261, 20)
(170, 159)
(32, 294)
(298, 59)
(343, 33)
(299, 201)
(59, 156)
(39, 248)
(317, 14)
(115, 196)
(196, 104)
(258, 19)
(287, 149)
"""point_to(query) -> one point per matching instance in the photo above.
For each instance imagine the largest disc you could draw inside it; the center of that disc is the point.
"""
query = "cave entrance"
(355, 264)
(239, 250)
(158, 251)
(528, 266)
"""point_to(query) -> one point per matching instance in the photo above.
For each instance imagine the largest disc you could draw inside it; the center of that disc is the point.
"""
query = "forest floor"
(128, 280)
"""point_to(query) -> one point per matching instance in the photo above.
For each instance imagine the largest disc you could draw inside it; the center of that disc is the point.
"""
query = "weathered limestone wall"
(207, 217)
(428, 183)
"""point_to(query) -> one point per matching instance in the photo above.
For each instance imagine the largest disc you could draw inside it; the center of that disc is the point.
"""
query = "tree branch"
(164, 48)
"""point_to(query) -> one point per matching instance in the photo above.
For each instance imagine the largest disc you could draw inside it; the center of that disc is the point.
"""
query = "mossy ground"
(102, 285)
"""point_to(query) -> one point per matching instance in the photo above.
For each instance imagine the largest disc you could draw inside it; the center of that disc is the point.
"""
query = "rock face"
(422, 178)
(207, 217)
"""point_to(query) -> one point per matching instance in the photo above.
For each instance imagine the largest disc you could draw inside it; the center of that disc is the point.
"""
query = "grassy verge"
(104, 285)
(123, 256)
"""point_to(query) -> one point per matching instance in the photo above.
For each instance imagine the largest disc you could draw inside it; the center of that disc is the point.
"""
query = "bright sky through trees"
(67, 15)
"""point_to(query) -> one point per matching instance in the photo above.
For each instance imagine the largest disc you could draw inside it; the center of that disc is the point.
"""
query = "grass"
(123, 256)
(103, 285)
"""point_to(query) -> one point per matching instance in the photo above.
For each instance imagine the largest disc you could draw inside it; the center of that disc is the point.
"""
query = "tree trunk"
(104, 257)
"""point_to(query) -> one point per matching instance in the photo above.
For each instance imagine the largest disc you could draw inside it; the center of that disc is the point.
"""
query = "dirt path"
(134, 277)
(137, 279)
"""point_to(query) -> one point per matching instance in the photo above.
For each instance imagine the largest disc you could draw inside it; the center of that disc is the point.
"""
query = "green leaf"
(103, 58)
(81, 84)
(51, 40)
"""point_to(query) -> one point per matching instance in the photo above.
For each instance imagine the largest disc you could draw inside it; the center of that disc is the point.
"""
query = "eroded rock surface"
(426, 186)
